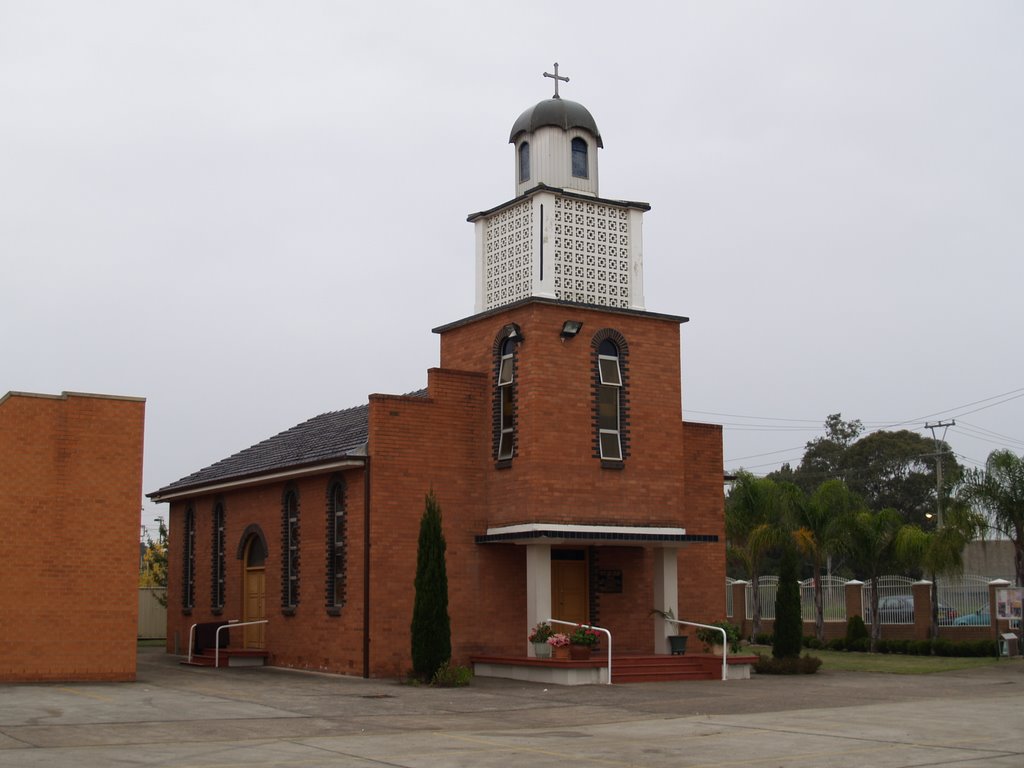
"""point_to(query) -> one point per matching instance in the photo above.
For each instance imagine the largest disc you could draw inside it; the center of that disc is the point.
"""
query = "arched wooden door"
(254, 594)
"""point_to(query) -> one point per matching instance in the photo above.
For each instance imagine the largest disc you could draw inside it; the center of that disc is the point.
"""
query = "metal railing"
(725, 641)
(596, 629)
(231, 623)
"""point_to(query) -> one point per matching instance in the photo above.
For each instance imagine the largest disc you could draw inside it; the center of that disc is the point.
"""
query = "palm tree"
(877, 542)
(998, 492)
(819, 525)
(753, 517)
(940, 552)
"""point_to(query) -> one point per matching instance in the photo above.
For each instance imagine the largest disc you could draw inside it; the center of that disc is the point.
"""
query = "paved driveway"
(200, 718)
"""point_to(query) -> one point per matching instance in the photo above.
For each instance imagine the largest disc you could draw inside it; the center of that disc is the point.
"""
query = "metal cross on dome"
(556, 77)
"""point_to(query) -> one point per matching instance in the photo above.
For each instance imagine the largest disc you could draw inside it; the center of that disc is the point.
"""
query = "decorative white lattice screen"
(508, 256)
(591, 253)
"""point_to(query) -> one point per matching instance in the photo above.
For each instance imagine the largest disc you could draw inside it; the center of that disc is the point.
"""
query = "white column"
(538, 588)
(666, 594)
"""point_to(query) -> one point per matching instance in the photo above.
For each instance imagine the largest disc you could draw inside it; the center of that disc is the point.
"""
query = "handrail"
(191, 635)
(725, 640)
(597, 629)
(230, 625)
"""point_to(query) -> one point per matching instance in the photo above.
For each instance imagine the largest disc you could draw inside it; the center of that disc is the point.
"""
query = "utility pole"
(938, 464)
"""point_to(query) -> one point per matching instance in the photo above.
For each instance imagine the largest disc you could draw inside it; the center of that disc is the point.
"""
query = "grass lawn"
(892, 663)
(152, 643)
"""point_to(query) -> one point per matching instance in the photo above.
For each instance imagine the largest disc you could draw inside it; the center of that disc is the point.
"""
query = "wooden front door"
(569, 593)
(254, 605)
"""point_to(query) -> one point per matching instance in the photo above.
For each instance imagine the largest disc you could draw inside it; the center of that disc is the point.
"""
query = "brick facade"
(70, 492)
(671, 477)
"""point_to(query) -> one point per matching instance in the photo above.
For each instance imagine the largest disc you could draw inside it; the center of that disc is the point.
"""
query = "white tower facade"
(558, 239)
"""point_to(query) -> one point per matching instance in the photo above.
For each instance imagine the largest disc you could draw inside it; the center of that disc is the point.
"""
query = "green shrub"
(860, 645)
(856, 630)
(919, 647)
(763, 638)
(836, 644)
(788, 623)
(452, 676)
(790, 665)
(810, 641)
(713, 637)
(430, 630)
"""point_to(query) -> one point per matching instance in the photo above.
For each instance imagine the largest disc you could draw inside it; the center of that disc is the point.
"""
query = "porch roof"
(566, 533)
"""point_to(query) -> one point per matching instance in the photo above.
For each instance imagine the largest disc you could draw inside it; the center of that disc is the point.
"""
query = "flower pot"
(542, 650)
(560, 652)
(677, 644)
(579, 652)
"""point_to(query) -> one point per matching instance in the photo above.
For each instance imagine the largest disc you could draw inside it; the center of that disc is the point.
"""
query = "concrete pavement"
(202, 718)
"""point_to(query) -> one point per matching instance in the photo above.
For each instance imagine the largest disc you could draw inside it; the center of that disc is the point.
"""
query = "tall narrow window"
(579, 159)
(506, 400)
(337, 540)
(609, 401)
(188, 552)
(218, 559)
(290, 550)
(524, 161)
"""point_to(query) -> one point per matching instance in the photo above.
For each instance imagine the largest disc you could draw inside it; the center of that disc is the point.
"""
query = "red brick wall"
(308, 638)
(70, 494)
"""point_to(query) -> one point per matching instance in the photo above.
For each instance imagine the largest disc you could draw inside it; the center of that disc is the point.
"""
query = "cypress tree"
(789, 626)
(431, 628)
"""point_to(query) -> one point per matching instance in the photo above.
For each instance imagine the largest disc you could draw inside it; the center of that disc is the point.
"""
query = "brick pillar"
(739, 607)
(854, 599)
(922, 592)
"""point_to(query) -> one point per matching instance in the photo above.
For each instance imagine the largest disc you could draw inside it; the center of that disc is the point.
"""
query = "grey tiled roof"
(325, 437)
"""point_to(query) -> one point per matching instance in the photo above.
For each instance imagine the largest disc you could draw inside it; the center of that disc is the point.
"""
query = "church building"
(551, 434)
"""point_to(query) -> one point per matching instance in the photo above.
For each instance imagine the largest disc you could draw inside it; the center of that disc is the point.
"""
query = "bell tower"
(559, 239)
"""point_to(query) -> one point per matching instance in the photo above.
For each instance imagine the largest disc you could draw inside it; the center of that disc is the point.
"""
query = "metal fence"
(964, 599)
(728, 596)
(833, 598)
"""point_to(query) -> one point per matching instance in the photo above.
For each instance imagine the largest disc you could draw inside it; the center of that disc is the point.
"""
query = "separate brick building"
(70, 492)
(551, 434)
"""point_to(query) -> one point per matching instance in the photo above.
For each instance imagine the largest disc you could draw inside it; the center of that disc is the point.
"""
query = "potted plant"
(539, 637)
(582, 642)
(559, 643)
(676, 642)
(712, 638)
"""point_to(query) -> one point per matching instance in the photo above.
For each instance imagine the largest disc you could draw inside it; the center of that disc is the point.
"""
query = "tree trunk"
(755, 604)
(876, 623)
(819, 605)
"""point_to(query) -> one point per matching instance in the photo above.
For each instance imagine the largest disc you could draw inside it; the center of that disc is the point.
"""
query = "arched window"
(290, 549)
(504, 408)
(524, 161)
(188, 552)
(580, 167)
(506, 394)
(611, 379)
(218, 560)
(337, 541)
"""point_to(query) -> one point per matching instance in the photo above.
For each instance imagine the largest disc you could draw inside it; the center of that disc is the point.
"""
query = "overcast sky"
(250, 213)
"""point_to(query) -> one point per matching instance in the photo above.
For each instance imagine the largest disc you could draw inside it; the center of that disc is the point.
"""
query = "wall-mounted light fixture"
(570, 328)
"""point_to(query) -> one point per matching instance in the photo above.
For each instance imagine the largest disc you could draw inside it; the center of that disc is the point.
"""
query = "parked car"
(979, 618)
(899, 609)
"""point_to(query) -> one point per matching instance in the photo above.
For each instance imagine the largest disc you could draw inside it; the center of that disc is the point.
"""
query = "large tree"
(754, 516)
(897, 470)
(997, 491)
(431, 627)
